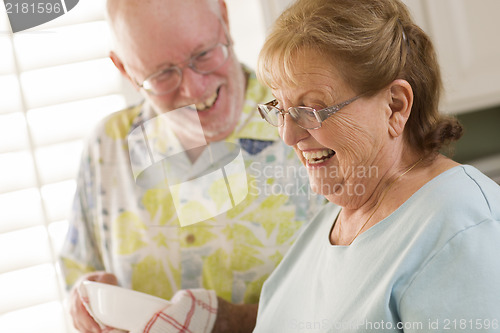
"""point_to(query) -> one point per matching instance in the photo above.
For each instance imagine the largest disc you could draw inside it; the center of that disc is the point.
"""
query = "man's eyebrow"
(203, 46)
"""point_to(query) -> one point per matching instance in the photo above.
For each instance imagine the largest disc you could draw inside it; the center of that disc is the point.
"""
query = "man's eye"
(204, 55)
(165, 75)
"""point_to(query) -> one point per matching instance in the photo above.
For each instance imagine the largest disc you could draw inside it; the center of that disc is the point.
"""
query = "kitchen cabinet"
(466, 35)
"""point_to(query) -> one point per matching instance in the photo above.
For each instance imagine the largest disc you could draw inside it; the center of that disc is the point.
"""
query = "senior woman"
(410, 240)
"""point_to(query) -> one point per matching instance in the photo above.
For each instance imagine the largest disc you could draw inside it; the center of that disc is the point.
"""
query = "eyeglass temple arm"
(261, 113)
(322, 115)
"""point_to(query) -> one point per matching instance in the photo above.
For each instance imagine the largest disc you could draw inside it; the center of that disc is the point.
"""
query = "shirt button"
(190, 239)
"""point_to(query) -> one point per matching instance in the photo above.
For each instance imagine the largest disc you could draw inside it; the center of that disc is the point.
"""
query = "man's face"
(155, 35)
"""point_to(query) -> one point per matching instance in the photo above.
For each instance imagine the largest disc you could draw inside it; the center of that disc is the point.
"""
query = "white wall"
(247, 28)
(249, 21)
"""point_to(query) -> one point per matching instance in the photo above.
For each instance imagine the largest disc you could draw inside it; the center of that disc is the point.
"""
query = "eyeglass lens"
(203, 63)
(303, 116)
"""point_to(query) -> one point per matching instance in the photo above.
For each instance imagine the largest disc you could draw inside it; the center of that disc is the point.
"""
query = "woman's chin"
(319, 186)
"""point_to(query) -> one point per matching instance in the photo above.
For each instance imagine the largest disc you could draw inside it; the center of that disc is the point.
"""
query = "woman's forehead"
(292, 68)
(303, 69)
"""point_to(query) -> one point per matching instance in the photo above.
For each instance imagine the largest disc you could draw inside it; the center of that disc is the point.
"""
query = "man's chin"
(217, 134)
(217, 129)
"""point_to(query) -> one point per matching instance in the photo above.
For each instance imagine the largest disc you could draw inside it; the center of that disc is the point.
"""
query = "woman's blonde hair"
(371, 43)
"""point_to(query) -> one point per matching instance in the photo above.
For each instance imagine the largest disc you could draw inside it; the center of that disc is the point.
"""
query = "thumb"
(104, 277)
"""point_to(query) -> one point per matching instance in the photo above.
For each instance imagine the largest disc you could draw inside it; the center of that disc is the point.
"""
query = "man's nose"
(192, 83)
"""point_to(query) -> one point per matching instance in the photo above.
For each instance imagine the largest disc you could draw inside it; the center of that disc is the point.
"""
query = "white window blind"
(56, 82)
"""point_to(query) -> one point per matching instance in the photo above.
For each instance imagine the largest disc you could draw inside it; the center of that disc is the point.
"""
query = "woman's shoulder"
(487, 189)
(460, 196)
(470, 188)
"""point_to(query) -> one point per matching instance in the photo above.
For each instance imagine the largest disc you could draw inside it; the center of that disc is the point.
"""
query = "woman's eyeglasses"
(305, 117)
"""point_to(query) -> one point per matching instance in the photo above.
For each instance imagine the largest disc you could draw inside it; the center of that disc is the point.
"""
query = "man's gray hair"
(112, 9)
(213, 4)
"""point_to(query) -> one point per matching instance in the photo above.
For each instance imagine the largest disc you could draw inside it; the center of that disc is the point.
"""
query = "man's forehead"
(161, 18)
(162, 32)
(176, 10)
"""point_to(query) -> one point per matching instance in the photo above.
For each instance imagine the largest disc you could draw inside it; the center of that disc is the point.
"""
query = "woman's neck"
(396, 185)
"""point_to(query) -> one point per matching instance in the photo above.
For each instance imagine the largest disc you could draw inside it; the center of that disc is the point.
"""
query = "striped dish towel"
(191, 311)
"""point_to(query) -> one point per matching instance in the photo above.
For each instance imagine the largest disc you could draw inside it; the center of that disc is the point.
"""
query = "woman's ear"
(401, 101)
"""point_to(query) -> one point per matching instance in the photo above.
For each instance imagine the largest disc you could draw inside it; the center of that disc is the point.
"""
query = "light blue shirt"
(433, 265)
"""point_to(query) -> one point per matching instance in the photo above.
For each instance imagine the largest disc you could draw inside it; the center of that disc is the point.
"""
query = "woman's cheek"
(348, 139)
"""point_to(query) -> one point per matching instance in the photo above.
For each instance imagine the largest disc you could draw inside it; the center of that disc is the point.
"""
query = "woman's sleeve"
(458, 289)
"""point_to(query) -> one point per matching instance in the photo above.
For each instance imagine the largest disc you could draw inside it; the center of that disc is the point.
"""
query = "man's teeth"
(319, 156)
(207, 103)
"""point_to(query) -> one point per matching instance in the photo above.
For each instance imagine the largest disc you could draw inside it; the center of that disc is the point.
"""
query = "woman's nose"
(290, 132)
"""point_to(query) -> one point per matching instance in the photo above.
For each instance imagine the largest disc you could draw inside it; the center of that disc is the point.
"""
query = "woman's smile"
(317, 157)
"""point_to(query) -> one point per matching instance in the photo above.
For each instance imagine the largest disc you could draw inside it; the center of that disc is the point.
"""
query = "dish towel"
(189, 311)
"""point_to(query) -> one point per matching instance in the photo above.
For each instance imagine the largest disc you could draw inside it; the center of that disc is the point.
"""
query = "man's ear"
(121, 67)
(223, 12)
(401, 101)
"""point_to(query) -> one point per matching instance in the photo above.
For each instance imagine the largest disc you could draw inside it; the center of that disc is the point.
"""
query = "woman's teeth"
(208, 102)
(318, 156)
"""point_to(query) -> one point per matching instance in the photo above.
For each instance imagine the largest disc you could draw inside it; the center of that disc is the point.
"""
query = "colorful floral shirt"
(131, 227)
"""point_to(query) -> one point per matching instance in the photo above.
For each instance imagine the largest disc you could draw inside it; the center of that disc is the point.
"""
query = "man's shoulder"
(117, 125)
(254, 129)
(255, 92)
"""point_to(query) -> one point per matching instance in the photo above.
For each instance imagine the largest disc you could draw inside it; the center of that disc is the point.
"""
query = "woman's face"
(342, 156)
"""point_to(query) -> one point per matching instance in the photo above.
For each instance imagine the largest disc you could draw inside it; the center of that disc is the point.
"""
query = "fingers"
(82, 320)
(102, 277)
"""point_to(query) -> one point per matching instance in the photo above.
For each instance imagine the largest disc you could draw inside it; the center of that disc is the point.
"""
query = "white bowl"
(122, 308)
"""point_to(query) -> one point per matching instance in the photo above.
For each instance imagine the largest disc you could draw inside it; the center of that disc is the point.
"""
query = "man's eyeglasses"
(168, 79)
(305, 117)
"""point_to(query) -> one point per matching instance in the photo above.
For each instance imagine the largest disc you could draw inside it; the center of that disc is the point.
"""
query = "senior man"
(179, 53)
